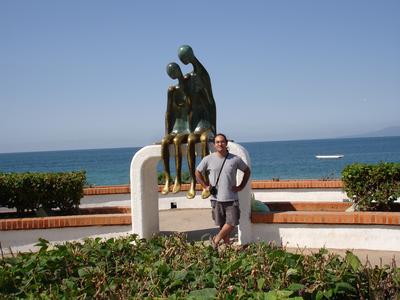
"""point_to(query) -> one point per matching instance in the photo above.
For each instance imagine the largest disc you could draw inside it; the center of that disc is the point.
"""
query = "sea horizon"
(290, 159)
(232, 140)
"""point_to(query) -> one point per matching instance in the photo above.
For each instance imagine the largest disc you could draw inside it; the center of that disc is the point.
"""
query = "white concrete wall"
(164, 201)
(370, 237)
(293, 195)
(145, 198)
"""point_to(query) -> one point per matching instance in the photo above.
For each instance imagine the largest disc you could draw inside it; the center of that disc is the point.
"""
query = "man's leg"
(224, 234)
(231, 214)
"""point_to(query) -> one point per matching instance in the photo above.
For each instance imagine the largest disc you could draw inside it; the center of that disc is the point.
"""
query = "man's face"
(220, 143)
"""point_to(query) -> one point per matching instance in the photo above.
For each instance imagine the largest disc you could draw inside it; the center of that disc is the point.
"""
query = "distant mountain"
(388, 131)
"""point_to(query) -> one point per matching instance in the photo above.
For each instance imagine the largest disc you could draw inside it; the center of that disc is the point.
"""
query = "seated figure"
(202, 117)
(177, 127)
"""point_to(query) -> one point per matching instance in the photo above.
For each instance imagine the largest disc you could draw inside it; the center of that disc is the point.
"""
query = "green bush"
(31, 191)
(172, 268)
(372, 187)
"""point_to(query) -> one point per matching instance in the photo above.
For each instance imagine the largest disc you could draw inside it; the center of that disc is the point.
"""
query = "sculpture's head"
(174, 71)
(186, 54)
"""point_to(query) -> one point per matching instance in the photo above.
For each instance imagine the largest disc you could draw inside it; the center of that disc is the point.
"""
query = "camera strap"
(221, 168)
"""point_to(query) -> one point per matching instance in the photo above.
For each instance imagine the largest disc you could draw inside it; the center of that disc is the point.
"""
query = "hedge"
(173, 268)
(372, 187)
(31, 191)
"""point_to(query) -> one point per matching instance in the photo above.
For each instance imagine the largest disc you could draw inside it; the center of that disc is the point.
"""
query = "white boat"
(329, 156)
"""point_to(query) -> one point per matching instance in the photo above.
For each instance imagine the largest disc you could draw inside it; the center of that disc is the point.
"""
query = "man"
(222, 167)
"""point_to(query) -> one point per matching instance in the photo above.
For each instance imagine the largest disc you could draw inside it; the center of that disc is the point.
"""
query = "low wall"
(264, 190)
(297, 223)
(309, 184)
(316, 225)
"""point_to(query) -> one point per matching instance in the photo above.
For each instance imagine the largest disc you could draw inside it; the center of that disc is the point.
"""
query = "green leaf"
(175, 283)
(207, 293)
(271, 295)
(43, 244)
(328, 294)
(291, 271)
(319, 295)
(283, 293)
(296, 287)
(180, 275)
(353, 261)
(233, 266)
(82, 272)
(260, 283)
(344, 286)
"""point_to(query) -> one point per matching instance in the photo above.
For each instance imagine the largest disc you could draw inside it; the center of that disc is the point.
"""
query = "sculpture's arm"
(169, 115)
(201, 71)
(190, 115)
(189, 101)
(213, 116)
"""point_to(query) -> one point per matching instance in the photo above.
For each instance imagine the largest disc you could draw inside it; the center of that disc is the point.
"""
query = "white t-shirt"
(212, 165)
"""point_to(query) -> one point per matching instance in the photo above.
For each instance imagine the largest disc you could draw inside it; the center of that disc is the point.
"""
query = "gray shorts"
(225, 212)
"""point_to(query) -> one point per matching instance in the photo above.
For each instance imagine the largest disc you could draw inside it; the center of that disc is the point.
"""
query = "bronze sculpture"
(203, 112)
(177, 127)
(198, 125)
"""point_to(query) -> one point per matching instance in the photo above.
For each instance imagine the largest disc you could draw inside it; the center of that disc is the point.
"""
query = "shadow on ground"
(200, 235)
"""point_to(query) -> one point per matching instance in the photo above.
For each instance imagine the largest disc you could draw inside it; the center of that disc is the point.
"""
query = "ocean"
(270, 160)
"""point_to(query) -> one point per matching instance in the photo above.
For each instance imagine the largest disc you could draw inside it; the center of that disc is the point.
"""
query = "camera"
(213, 190)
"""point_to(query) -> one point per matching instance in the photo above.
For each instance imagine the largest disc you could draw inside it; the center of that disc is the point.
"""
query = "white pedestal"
(144, 191)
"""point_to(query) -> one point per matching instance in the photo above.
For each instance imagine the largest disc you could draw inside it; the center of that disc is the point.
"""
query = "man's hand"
(241, 186)
(237, 188)
(201, 180)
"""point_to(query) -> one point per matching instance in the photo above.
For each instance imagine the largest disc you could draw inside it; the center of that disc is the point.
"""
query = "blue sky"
(91, 74)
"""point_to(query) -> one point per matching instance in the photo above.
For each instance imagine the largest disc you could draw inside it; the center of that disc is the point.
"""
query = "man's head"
(186, 54)
(174, 71)
(220, 143)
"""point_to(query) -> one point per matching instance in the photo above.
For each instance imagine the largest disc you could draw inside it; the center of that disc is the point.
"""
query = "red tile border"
(288, 213)
(308, 206)
(338, 218)
(104, 190)
(100, 216)
(322, 213)
(255, 184)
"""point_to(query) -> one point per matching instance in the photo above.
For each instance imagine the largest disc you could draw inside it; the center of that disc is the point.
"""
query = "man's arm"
(201, 180)
(246, 177)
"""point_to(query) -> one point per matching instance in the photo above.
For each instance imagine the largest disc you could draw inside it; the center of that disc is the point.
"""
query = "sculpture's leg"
(178, 140)
(204, 143)
(204, 152)
(165, 158)
(191, 158)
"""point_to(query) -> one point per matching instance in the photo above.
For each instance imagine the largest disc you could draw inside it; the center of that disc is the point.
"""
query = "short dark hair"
(220, 134)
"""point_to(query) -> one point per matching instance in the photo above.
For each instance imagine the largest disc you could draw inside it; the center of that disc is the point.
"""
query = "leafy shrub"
(30, 191)
(372, 187)
(170, 267)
